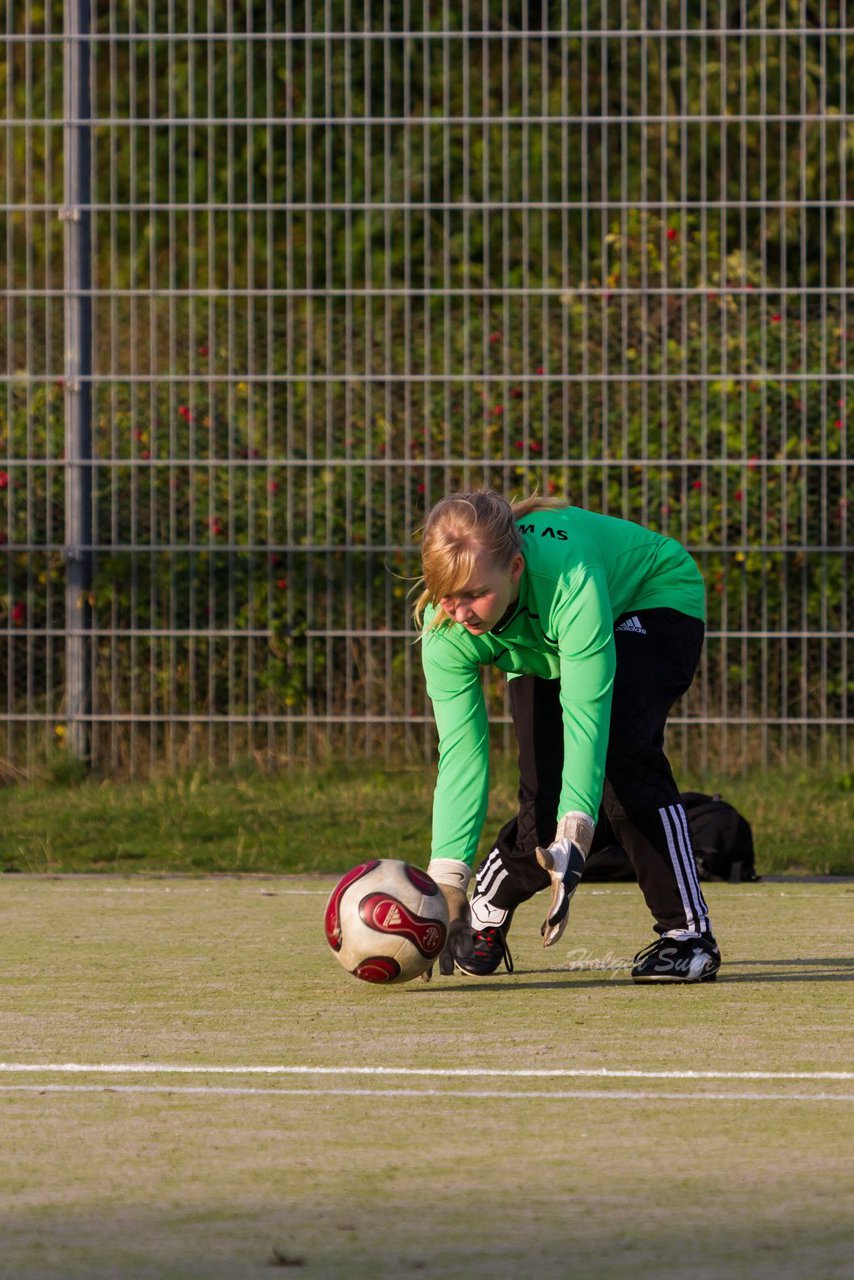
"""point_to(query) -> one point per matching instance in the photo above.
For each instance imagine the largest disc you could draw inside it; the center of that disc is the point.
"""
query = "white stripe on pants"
(675, 825)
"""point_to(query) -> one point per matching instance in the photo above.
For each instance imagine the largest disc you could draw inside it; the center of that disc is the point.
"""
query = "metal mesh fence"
(278, 276)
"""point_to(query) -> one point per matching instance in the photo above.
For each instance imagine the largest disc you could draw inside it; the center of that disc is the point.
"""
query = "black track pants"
(657, 655)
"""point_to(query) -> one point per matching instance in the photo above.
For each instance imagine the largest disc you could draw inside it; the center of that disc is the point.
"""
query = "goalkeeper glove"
(564, 861)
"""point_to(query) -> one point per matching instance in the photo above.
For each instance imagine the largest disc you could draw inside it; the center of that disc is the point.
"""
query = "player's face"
(487, 595)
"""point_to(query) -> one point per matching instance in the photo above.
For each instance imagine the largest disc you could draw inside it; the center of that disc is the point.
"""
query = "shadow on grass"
(843, 966)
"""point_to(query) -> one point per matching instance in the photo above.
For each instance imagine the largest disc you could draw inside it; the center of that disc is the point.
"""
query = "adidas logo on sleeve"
(632, 624)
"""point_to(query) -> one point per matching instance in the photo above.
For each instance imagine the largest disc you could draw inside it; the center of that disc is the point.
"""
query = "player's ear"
(517, 564)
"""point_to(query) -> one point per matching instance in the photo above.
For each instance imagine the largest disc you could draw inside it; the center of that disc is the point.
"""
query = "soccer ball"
(386, 921)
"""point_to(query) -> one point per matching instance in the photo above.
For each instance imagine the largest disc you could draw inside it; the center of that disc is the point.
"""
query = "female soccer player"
(598, 623)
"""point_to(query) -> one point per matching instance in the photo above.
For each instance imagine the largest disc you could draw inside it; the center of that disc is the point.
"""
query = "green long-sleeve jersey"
(582, 571)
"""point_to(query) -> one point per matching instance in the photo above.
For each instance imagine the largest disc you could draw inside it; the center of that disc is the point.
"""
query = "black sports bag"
(721, 836)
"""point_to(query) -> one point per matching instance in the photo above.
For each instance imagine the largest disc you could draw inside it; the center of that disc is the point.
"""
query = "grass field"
(335, 816)
(238, 1103)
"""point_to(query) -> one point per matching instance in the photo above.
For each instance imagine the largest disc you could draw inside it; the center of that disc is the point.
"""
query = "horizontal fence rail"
(276, 277)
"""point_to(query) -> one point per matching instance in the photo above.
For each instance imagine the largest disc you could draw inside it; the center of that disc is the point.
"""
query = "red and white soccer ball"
(386, 921)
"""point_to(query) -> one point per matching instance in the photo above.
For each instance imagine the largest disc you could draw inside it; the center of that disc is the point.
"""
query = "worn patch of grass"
(378, 1177)
(328, 819)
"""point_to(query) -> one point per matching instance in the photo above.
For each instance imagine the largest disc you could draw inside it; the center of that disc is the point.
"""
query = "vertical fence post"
(78, 372)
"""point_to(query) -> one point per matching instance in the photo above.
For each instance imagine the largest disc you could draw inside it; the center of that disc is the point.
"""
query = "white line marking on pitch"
(521, 1073)
(551, 1095)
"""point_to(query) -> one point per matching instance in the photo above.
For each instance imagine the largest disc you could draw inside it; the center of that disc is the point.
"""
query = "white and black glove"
(453, 878)
(564, 860)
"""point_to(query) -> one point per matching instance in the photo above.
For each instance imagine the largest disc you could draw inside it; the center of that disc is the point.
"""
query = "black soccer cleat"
(489, 949)
(694, 959)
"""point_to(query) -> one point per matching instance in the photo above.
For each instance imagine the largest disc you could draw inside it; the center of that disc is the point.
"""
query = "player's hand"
(459, 941)
(564, 861)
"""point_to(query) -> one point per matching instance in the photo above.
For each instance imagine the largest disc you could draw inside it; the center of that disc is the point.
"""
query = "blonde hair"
(460, 528)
